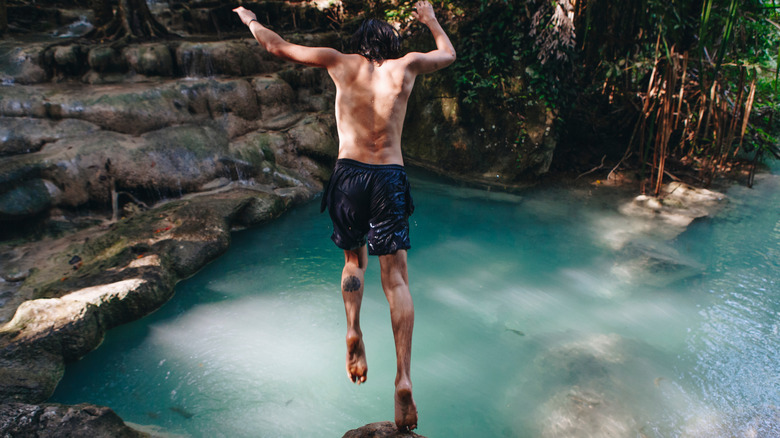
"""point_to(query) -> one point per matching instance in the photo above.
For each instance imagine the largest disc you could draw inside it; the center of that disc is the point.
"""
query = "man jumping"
(368, 194)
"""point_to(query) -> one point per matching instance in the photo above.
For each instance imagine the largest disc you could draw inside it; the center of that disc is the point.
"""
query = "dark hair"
(376, 40)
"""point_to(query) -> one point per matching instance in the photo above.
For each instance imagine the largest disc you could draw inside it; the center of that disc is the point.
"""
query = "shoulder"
(413, 61)
(346, 65)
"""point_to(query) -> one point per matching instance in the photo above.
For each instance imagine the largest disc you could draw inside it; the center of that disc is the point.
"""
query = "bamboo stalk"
(666, 127)
(681, 95)
(748, 109)
(732, 130)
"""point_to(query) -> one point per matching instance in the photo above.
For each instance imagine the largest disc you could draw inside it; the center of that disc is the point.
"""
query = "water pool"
(536, 315)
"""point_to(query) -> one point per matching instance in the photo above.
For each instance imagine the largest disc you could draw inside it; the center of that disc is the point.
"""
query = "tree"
(3, 17)
(132, 20)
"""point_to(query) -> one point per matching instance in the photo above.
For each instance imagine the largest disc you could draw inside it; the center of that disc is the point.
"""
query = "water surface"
(544, 314)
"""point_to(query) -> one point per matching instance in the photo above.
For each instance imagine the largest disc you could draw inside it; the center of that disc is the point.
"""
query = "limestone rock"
(22, 65)
(313, 137)
(261, 209)
(217, 97)
(678, 205)
(136, 108)
(28, 373)
(154, 59)
(223, 57)
(26, 199)
(105, 59)
(22, 135)
(274, 94)
(24, 101)
(45, 333)
(119, 274)
(384, 429)
(70, 60)
(55, 420)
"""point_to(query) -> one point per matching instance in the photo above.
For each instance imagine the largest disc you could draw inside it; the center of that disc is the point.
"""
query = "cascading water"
(77, 28)
(530, 322)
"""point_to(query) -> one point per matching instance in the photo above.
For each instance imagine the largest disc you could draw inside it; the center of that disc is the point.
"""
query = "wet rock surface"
(112, 274)
(153, 141)
(55, 420)
(383, 429)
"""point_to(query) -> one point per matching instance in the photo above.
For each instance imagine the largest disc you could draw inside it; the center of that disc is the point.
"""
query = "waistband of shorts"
(347, 162)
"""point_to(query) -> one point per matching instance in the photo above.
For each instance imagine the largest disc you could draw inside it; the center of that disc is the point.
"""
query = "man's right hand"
(424, 12)
(245, 15)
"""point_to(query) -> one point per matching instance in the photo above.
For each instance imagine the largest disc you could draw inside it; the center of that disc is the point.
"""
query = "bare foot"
(357, 369)
(405, 408)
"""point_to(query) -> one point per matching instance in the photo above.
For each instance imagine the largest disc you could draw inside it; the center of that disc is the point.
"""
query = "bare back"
(371, 100)
(371, 96)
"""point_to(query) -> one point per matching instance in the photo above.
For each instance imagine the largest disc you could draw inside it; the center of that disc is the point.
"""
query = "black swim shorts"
(369, 204)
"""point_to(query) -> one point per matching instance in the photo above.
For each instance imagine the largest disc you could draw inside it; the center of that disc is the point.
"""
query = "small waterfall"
(195, 61)
(74, 29)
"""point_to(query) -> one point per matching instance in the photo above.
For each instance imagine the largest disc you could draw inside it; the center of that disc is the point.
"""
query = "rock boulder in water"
(55, 420)
(384, 429)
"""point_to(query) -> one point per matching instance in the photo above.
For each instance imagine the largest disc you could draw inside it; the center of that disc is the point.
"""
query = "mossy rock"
(154, 59)
(29, 198)
(23, 65)
(313, 136)
(25, 135)
(68, 60)
(105, 59)
(218, 97)
(204, 59)
(274, 94)
(22, 102)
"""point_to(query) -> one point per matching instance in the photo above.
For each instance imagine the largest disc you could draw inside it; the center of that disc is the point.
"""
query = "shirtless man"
(368, 195)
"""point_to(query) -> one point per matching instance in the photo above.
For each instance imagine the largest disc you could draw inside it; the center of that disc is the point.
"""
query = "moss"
(201, 141)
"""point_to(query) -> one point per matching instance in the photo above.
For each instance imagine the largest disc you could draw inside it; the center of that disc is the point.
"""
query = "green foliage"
(512, 53)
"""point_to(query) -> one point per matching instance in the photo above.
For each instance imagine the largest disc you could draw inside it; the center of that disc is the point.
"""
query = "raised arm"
(277, 46)
(444, 54)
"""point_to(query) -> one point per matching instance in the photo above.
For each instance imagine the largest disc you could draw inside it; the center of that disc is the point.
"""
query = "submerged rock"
(654, 264)
(643, 258)
(596, 385)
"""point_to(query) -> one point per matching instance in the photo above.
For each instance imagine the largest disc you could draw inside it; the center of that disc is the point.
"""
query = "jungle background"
(680, 89)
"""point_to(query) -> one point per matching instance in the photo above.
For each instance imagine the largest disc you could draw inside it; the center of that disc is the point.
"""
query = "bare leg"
(352, 279)
(395, 283)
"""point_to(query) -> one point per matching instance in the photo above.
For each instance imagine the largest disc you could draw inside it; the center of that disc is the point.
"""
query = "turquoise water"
(548, 314)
